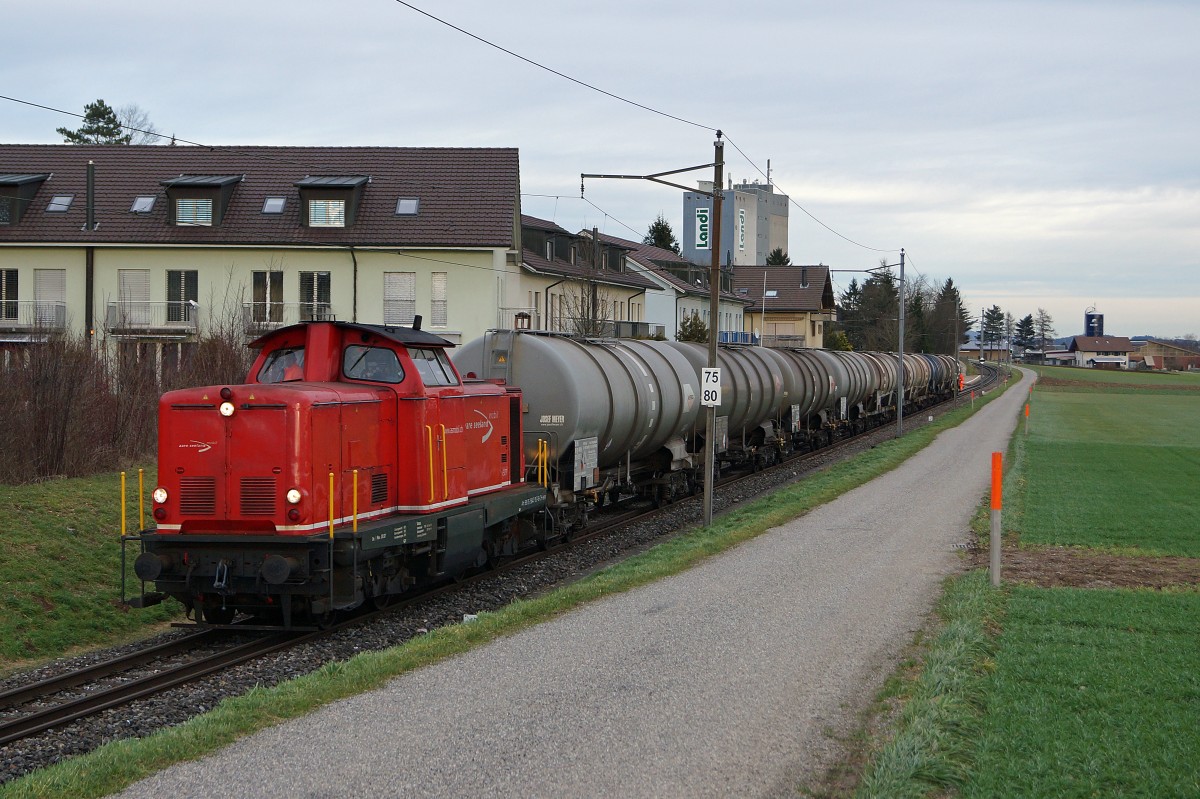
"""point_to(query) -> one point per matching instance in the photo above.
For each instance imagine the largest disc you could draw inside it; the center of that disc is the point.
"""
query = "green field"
(1094, 693)
(1078, 692)
(1115, 471)
(1115, 381)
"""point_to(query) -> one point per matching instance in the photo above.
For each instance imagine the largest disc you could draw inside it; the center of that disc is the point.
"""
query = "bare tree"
(1043, 323)
(137, 125)
(588, 309)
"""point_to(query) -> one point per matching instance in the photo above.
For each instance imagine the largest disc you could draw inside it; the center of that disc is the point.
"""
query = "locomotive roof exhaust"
(417, 322)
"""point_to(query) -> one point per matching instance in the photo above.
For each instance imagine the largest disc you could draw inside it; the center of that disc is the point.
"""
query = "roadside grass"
(60, 570)
(940, 719)
(1077, 692)
(118, 764)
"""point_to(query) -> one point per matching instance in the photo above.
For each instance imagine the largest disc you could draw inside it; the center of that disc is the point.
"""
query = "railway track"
(30, 710)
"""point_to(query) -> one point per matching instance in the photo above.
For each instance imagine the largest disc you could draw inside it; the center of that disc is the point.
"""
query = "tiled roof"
(1100, 344)
(537, 262)
(469, 197)
(788, 283)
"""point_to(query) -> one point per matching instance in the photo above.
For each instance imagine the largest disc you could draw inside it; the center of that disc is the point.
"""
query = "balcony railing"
(263, 317)
(23, 317)
(523, 318)
(173, 318)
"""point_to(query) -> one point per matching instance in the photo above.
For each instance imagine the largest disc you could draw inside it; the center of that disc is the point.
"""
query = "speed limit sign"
(710, 389)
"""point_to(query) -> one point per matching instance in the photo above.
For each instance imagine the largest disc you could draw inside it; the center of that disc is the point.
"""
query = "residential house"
(147, 247)
(1101, 352)
(786, 306)
(572, 285)
(683, 289)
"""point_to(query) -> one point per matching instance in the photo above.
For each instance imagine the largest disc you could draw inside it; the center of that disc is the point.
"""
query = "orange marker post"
(997, 496)
(1027, 418)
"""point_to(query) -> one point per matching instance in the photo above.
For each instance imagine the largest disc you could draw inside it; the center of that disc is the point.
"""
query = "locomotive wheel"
(218, 615)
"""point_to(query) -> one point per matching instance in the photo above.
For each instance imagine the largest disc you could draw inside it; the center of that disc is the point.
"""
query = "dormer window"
(199, 200)
(194, 212)
(326, 213)
(16, 193)
(550, 250)
(574, 254)
(331, 201)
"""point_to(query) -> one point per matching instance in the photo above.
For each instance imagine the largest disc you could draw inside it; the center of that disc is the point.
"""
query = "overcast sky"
(1042, 154)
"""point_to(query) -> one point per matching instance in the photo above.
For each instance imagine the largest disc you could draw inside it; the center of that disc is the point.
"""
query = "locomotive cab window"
(283, 365)
(371, 363)
(434, 367)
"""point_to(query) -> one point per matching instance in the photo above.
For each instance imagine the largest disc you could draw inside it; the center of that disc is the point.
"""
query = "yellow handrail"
(445, 468)
(122, 504)
(354, 524)
(331, 508)
(141, 499)
(429, 440)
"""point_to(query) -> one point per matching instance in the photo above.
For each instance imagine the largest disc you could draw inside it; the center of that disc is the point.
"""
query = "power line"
(553, 71)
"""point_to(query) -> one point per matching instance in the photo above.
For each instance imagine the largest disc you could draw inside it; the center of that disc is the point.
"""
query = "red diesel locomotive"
(353, 465)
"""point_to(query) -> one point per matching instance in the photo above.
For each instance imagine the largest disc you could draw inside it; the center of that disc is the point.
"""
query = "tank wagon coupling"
(353, 466)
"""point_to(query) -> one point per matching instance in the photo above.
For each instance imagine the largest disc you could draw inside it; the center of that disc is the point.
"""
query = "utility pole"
(714, 309)
(900, 358)
(714, 289)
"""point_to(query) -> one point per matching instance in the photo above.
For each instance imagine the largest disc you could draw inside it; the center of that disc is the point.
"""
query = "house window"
(8, 294)
(267, 292)
(6, 204)
(550, 251)
(133, 297)
(194, 212)
(182, 293)
(315, 297)
(438, 311)
(407, 206)
(604, 260)
(326, 213)
(142, 204)
(574, 253)
(399, 298)
(274, 205)
(60, 203)
(50, 297)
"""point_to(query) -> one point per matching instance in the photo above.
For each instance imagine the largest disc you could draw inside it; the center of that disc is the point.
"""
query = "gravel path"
(723, 681)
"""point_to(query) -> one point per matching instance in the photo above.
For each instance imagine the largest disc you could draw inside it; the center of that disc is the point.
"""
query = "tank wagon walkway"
(723, 681)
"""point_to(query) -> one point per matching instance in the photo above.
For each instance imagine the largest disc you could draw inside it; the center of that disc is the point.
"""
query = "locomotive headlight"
(160, 495)
(226, 409)
(294, 496)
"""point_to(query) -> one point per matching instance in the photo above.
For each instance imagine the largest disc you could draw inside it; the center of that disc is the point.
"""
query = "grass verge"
(932, 748)
(114, 766)
(61, 568)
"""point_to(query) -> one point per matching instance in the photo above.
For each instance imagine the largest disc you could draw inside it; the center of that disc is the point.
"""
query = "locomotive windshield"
(283, 365)
(371, 363)
(434, 367)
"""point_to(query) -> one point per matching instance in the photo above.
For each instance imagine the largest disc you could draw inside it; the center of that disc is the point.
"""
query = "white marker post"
(710, 397)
